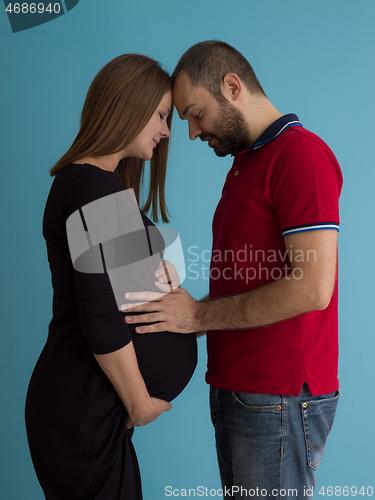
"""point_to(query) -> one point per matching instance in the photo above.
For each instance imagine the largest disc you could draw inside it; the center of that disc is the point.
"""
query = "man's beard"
(231, 134)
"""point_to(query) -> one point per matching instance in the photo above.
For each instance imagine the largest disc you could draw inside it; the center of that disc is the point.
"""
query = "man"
(271, 316)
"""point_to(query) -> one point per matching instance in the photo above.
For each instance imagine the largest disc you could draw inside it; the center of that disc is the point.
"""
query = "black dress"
(76, 422)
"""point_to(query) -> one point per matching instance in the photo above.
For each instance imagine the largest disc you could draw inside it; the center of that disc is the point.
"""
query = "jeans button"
(305, 405)
(278, 407)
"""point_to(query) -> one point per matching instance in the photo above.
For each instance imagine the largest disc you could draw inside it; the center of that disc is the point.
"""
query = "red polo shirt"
(288, 181)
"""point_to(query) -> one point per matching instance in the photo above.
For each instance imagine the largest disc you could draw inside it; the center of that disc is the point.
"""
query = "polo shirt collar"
(275, 129)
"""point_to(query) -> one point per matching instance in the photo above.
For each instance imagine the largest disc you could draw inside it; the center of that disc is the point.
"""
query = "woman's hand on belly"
(148, 413)
(167, 278)
(121, 367)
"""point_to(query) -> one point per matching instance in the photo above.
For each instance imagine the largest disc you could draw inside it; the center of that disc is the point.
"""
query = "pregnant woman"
(96, 378)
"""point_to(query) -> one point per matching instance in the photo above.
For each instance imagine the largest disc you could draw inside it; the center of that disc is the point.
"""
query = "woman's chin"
(147, 156)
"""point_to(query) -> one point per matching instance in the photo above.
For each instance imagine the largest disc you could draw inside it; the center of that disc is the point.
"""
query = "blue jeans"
(270, 445)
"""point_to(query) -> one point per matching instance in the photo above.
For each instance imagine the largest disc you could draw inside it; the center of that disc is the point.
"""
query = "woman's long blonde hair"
(120, 101)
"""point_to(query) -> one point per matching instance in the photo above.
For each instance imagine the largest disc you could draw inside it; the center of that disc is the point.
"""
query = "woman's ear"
(231, 87)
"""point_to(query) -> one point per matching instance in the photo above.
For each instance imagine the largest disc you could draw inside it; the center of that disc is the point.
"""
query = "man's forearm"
(263, 306)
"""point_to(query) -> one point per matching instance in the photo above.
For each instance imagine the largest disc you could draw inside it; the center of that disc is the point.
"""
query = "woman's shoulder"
(76, 185)
(88, 174)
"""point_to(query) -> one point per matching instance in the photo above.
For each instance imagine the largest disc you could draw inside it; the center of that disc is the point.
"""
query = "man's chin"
(221, 152)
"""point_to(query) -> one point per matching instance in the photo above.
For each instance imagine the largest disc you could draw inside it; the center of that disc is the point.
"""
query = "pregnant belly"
(166, 360)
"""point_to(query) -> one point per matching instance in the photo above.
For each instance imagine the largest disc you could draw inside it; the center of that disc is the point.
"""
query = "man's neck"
(259, 114)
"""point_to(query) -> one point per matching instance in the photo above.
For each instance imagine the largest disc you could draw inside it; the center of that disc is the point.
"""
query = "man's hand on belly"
(173, 312)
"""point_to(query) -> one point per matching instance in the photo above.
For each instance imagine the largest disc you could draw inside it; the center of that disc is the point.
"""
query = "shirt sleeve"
(101, 322)
(305, 187)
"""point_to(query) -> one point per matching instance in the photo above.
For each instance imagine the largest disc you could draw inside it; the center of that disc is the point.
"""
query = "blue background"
(314, 58)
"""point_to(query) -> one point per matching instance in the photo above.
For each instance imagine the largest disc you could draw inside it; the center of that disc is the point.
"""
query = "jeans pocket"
(258, 402)
(318, 416)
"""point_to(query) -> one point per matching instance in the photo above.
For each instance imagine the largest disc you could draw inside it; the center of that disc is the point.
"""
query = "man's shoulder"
(301, 136)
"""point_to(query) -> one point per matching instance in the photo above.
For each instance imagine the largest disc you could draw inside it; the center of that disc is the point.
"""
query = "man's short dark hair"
(206, 64)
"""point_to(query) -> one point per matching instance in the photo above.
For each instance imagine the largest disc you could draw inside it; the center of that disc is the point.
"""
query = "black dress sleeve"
(101, 322)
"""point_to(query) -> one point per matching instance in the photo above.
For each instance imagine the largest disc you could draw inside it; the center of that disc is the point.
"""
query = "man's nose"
(194, 131)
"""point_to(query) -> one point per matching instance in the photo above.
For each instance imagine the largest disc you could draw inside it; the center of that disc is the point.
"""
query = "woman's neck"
(108, 162)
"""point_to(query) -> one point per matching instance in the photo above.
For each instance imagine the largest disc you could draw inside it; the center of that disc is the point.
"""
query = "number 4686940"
(346, 491)
(33, 8)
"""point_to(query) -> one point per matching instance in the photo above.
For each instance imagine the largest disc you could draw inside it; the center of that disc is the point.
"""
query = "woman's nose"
(165, 131)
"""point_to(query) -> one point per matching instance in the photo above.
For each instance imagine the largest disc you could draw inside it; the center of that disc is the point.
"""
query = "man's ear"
(231, 87)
